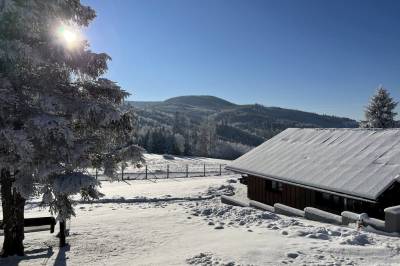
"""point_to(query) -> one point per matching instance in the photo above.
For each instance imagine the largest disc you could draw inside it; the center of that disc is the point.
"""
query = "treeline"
(210, 126)
(186, 137)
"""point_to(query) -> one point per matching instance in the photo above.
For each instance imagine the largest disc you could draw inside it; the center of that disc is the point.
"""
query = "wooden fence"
(168, 171)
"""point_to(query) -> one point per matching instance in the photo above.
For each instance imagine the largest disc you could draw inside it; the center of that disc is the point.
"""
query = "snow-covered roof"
(356, 162)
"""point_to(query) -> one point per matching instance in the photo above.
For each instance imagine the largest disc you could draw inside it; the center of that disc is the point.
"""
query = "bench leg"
(62, 234)
(52, 227)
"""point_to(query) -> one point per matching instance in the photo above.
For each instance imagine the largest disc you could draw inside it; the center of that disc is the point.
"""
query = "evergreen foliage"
(380, 111)
(202, 120)
(58, 116)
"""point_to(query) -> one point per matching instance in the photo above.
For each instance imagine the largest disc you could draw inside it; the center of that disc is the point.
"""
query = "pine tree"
(58, 117)
(206, 138)
(179, 123)
(203, 139)
(190, 144)
(179, 144)
(380, 111)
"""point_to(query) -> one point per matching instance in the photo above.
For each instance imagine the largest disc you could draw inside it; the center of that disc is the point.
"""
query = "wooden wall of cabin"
(298, 197)
(290, 195)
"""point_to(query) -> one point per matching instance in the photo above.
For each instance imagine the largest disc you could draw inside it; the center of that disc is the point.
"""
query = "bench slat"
(37, 224)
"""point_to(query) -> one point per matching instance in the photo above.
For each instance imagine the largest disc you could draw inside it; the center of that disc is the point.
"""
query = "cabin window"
(325, 199)
(273, 186)
(326, 196)
(329, 201)
(277, 186)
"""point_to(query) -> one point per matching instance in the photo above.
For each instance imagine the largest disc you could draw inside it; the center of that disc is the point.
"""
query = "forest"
(213, 127)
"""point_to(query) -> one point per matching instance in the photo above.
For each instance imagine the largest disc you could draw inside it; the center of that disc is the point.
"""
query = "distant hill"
(143, 104)
(245, 124)
(204, 101)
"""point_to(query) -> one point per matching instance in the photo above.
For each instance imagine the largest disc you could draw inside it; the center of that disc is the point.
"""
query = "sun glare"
(68, 36)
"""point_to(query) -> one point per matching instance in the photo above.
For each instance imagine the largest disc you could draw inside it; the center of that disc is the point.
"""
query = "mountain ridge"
(203, 101)
(237, 128)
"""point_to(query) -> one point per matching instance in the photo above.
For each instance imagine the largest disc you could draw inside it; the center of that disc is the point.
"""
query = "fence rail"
(168, 171)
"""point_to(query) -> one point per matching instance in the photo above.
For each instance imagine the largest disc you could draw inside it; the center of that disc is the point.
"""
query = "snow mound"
(206, 259)
(227, 190)
(321, 233)
(289, 222)
(233, 215)
(357, 239)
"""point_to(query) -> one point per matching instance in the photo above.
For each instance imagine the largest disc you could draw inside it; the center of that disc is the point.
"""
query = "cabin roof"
(360, 163)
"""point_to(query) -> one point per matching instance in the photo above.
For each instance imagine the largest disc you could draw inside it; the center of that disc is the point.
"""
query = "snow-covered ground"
(183, 222)
(181, 161)
(178, 163)
(177, 166)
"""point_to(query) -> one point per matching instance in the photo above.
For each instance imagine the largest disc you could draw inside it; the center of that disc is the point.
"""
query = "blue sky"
(313, 55)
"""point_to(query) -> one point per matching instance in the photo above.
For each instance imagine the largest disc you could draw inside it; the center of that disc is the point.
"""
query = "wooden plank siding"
(299, 197)
(290, 195)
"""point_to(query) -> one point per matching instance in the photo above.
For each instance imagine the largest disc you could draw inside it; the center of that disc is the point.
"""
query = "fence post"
(146, 171)
(122, 174)
(204, 172)
(167, 170)
(220, 169)
(96, 174)
(187, 170)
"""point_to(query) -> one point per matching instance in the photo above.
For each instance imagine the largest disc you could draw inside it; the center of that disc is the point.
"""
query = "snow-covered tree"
(207, 137)
(179, 143)
(230, 150)
(380, 111)
(58, 117)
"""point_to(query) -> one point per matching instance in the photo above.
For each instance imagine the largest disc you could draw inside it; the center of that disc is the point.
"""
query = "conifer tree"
(380, 111)
(206, 138)
(58, 116)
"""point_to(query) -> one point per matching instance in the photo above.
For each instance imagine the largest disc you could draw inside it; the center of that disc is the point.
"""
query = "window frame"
(273, 186)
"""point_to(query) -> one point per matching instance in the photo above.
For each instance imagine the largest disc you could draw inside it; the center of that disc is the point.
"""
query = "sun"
(68, 36)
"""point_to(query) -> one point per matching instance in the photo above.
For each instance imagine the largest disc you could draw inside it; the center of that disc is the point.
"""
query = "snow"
(158, 165)
(183, 222)
(156, 162)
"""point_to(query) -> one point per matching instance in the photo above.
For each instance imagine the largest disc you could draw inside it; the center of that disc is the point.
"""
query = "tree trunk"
(13, 217)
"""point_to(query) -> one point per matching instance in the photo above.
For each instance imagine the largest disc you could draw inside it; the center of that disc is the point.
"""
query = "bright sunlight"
(68, 36)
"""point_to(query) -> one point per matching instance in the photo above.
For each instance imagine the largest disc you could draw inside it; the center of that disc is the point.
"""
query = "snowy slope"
(156, 161)
(196, 229)
(157, 167)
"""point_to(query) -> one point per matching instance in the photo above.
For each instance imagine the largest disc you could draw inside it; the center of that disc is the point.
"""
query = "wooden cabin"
(331, 169)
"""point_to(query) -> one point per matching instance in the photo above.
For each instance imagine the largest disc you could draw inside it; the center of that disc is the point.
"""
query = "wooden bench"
(36, 224)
